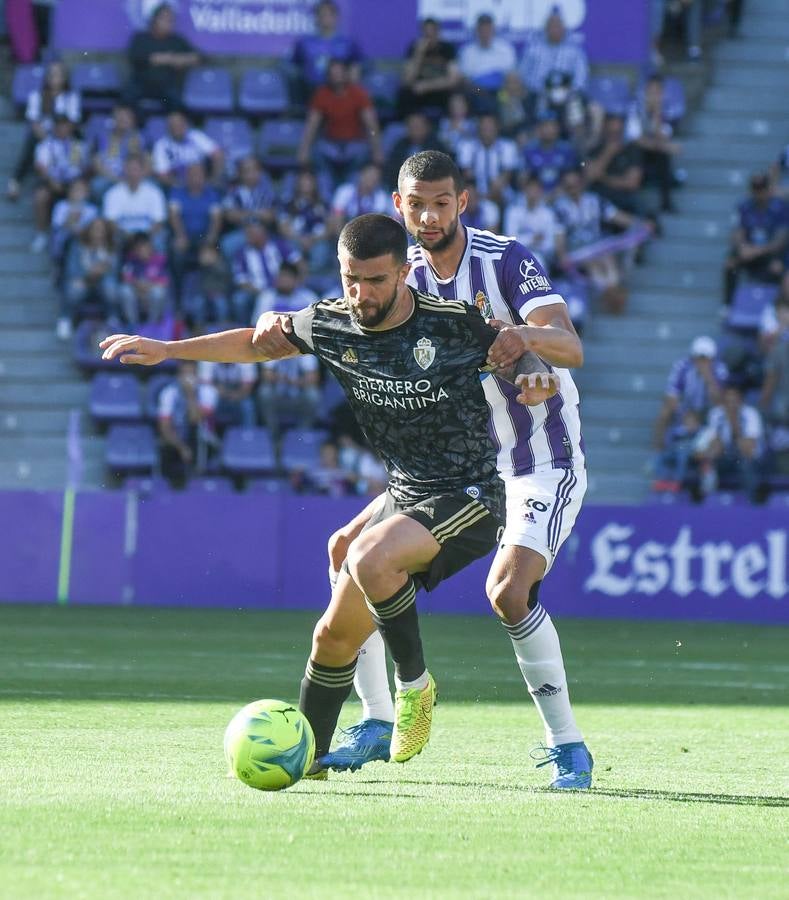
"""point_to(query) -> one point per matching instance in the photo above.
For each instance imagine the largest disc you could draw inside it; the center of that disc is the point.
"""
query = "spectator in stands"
(695, 385)
(779, 173)
(206, 291)
(418, 136)
(582, 215)
(255, 267)
(759, 240)
(184, 409)
(774, 399)
(615, 167)
(289, 390)
(233, 387)
(770, 326)
(136, 204)
(484, 62)
(490, 159)
(195, 218)
(457, 126)
(685, 15)
(312, 54)
(70, 217)
(430, 73)
(54, 98)
(579, 121)
(287, 294)
(159, 59)
(112, 149)
(515, 108)
(59, 159)
(730, 448)
(144, 287)
(363, 194)
(90, 276)
(533, 222)
(303, 221)
(350, 130)
(653, 134)
(371, 477)
(252, 198)
(548, 157)
(329, 477)
(554, 51)
(479, 212)
(182, 147)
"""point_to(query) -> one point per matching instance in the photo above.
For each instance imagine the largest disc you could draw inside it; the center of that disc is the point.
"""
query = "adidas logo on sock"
(546, 690)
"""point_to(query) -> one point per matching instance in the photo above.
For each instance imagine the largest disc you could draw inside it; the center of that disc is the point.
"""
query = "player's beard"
(374, 317)
(444, 241)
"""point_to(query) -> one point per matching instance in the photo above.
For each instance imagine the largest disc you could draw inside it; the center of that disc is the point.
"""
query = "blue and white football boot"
(365, 742)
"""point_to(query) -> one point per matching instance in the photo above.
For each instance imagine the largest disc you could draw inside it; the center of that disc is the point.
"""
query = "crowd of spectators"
(152, 224)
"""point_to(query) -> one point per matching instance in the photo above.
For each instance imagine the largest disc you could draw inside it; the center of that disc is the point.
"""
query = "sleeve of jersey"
(482, 334)
(525, 284)
(301, 336)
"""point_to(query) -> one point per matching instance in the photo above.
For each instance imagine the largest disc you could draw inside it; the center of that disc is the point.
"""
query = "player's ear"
(404, 270)
(462, 202)
(398, 201)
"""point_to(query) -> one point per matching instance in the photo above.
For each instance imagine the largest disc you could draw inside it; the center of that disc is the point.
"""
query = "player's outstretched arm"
(530, 374)
(225, 346)
(548, 332)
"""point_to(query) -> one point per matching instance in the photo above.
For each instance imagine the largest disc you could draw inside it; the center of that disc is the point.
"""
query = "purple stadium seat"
(155, 128)
(301, 448)
(97, 126)
(131, 448)
(86, 347)
(115, 397)
(27, 78)
(383, 85)
(263, 92)
(269, 486)
(147, 484)
(576, 295)
(674, 103)
(749, 302)
(209, 90)
(234, 136)
(726, 498)
(209, 486)
(613, 94)
(279, 141)
(99, 83)
(248, 451)
(779, 500)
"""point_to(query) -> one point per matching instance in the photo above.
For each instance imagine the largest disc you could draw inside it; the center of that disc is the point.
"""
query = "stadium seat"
(115, 397)
(155, 128)
(248, 451)
(263, 92)
(208, 90)
(147, 484)
(98, 83)
(233, 135)
(97, 126)
(301, 448)
(131, 448)
(748, 304)
(278, 143)
(613, 94)
(674, 103)
(27, 78)
(269, 486)
(383, 85)
(576, 294)
(209, 486)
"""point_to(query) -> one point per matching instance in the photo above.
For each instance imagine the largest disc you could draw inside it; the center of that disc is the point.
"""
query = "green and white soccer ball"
(269, 745)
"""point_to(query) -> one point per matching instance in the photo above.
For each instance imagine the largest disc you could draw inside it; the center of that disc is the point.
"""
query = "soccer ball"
(269, 745)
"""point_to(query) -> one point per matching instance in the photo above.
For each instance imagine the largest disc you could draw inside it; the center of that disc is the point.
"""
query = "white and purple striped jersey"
(504, 281)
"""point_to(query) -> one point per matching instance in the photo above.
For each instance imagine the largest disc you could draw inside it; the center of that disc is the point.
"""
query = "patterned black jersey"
(415, 390)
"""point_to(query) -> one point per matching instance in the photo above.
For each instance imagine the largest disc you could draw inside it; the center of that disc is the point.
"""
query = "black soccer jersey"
(415, 390)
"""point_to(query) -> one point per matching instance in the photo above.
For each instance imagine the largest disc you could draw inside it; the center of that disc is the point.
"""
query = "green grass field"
(112, 780)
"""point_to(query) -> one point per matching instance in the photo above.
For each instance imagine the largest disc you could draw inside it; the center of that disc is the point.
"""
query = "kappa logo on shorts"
(424, 352)
(531, 503)
(427, 510)
(474, 492)
(350, 356)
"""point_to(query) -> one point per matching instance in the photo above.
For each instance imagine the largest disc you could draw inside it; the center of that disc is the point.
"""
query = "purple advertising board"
(269, 552)
(611, 31)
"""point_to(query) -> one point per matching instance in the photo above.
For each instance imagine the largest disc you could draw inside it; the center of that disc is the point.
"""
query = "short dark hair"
(289, 267)
(430, 165)
(373, 235)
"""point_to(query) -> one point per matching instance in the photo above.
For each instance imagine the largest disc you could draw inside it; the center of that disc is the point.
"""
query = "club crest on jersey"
(424, 353)
(533, 279)
(350, 356)
(483, 305)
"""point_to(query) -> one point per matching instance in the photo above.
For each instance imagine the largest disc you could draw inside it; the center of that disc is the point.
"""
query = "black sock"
(324, 689)
(398, 622)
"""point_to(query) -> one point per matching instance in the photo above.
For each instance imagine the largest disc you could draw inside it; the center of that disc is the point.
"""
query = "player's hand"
(131, 348)
(536, 388)
(270, 336)
(510, 344)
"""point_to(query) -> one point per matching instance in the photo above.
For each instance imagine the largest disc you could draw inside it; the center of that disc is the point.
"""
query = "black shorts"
(466, 528)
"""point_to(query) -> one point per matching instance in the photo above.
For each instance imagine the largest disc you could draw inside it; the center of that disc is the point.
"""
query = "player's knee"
(366, 562)
(511, 598)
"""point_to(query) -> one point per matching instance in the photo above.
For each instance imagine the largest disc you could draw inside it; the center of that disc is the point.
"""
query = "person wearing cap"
(578, 120)
(759, 240)
(695, 384)
(551, 52)
(485, 61)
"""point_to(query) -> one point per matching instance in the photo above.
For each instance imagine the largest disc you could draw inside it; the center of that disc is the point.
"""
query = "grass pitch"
(112, 781)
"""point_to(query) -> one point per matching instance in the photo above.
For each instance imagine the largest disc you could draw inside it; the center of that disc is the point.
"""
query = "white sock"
(418, 683)
(539, 656)
(371, 680)
(333, 576)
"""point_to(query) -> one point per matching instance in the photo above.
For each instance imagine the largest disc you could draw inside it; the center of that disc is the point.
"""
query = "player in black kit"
(409, 364)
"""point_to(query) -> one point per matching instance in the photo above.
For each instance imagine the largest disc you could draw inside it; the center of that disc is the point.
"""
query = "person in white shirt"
(554, 52)
(490, 160)
(234, 384)
(362, 195)
(531, 221)
(136, 205)
(487, 59)
(286, 294)
(181, 147)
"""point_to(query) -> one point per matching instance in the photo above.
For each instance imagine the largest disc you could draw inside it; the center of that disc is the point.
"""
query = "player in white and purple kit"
(540, 455)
